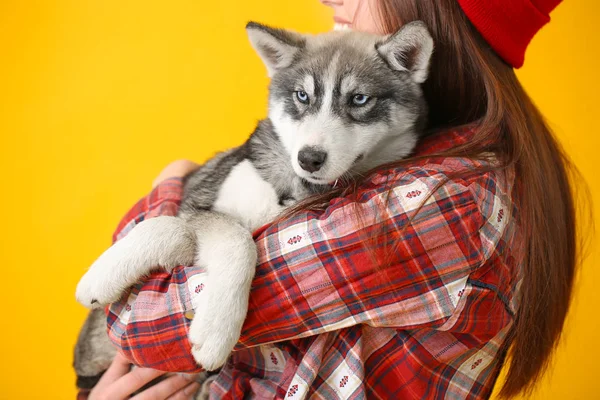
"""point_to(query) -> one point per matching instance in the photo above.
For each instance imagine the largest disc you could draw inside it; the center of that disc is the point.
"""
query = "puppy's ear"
(276, 47)
(409, 49)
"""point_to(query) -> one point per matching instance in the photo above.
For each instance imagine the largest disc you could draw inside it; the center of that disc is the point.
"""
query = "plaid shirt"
(412, 300)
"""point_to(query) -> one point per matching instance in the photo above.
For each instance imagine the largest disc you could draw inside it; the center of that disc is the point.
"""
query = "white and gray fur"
(340, 103)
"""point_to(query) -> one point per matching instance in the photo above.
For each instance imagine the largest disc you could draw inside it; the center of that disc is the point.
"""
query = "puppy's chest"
(246, 196)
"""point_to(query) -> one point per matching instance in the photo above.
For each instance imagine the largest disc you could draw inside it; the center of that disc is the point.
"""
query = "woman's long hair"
(469, 83)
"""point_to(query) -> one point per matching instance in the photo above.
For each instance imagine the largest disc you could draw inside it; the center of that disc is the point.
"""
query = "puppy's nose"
(311, 159)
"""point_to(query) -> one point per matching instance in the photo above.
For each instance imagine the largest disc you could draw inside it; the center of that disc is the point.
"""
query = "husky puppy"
(340, 103)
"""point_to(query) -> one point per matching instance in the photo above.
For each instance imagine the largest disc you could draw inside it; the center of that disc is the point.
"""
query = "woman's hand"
(177, 169)
(118, 382)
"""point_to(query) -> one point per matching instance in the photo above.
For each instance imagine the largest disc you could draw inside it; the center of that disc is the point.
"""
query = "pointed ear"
(409, 49)
(276, 47)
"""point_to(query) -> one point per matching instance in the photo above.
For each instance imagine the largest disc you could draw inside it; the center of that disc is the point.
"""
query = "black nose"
(311, 160)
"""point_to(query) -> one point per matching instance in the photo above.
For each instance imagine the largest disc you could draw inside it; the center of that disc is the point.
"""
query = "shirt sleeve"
(399, 255)
(396, 258)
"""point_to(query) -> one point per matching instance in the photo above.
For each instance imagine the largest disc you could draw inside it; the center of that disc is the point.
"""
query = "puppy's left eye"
(360, 99)
(302, 96)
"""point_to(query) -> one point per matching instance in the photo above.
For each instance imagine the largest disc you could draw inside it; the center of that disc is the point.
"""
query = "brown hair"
(469, 83)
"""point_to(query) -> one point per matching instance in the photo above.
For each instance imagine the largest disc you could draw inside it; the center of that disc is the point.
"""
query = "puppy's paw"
(95, 290)
(212, 351)
(102, 284)
(214, 331)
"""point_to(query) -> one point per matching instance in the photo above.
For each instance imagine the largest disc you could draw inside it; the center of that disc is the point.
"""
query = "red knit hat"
(509, 25)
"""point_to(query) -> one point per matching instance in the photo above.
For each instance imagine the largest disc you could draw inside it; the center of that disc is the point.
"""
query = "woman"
(464, 250)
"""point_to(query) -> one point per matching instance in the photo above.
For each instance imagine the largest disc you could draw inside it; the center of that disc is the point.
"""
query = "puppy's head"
(339, 99)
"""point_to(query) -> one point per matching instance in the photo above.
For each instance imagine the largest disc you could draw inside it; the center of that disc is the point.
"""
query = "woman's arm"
(403, 264)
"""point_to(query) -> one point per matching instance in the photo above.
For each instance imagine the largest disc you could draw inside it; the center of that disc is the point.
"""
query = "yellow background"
(97, 96)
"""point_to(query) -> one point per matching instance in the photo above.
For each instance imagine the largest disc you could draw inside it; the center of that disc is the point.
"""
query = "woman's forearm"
(317, 273)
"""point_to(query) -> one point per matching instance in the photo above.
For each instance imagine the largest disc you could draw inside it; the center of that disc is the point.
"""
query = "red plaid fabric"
(411, 301)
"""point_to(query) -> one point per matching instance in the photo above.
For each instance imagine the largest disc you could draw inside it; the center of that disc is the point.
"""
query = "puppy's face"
(335, 97)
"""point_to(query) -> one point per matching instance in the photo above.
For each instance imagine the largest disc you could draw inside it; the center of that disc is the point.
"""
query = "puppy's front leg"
(157, 242)
(229, 253)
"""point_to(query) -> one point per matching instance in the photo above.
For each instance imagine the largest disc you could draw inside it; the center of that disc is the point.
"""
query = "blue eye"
(302, 96)
(360, 99)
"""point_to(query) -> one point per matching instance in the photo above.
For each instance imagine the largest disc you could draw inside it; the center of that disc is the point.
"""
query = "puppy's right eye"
(360, 99)
(302, 96)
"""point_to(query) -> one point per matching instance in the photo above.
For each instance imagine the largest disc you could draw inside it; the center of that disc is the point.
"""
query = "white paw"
(216, 329)
(103, 283)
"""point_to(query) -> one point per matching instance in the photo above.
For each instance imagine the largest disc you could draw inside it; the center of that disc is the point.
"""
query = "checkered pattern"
(413, 300)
